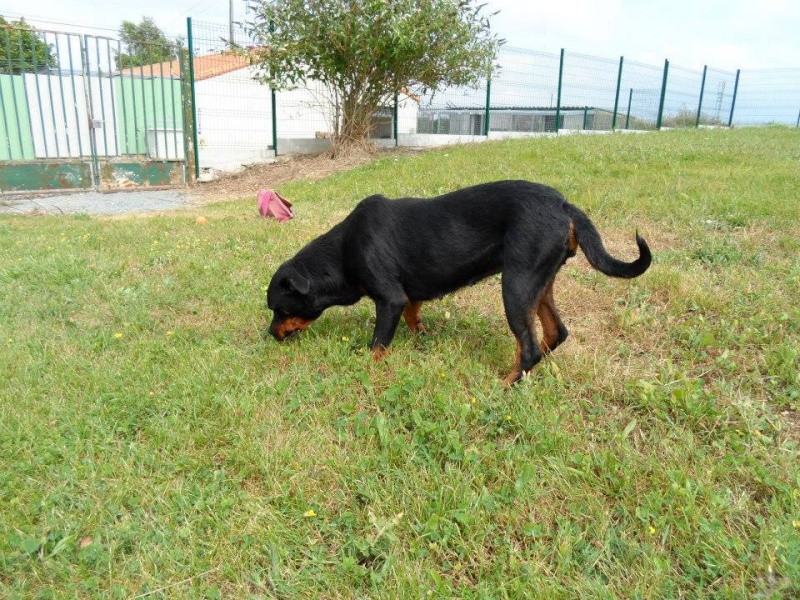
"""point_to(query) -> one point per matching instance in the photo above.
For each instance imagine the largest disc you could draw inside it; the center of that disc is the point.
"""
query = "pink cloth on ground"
(272, 204)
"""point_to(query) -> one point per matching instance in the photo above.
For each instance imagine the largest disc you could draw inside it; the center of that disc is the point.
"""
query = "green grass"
(153, 440)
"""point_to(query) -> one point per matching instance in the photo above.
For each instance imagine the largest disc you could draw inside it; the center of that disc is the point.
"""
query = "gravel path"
(96, 203)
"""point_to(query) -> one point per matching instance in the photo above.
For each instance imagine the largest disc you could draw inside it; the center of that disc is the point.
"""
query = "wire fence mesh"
(768, 96)
(233, 110)
(717, 97)
(50, 81)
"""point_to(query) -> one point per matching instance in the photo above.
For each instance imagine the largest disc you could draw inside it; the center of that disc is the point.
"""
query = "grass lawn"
(154, 442)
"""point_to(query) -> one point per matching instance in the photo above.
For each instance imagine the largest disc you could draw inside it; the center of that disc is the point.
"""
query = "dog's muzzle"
(280, 330)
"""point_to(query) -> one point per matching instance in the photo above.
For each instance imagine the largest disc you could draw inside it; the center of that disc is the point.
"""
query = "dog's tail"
(589, 240)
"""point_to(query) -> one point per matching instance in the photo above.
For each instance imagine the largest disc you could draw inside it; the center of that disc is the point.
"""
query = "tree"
(22, 49)
(365, 51)
(145, 44)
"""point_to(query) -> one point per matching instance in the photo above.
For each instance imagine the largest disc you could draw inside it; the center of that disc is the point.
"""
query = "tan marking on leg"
(379, 353)
(514, 375)
(411, 314)
(548, 316)
(517, 371)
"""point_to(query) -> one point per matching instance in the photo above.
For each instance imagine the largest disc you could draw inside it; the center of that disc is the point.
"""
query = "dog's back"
(434, 246)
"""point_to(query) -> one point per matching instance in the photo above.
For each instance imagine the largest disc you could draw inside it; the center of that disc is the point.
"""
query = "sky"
(725, 34)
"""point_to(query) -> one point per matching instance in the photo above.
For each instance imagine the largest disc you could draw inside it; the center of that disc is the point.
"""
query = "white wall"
(234, 118)
(234, 121)
(307, 112)
(407, 110)
(304, 112)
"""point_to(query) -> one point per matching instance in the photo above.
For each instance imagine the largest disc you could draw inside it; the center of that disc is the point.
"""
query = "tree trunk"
(356, 125)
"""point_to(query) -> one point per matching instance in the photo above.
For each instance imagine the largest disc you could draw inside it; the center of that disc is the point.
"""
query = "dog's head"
(290, 298)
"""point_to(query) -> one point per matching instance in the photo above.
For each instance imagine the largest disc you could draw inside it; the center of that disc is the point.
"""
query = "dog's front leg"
(387, 317)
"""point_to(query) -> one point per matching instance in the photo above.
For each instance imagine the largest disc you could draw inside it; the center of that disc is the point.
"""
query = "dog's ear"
(296, 283)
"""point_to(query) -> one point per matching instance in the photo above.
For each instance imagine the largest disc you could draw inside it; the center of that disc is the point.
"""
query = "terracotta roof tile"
(205, 67)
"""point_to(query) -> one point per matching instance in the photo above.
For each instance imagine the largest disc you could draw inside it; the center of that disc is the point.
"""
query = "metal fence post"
(488, 105)
(14, 97)
(663, 95)
(560, 78)
(702, 91)
(3, 104)
(187, 110)
(616, 96)
(273, 101)
(628, 115)
(395, 112)
(87, 90)
(735, 91)
(190, 44)
(797, 125)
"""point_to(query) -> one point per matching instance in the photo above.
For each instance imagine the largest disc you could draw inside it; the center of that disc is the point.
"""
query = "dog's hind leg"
(553, 330)
(412, 317)
(522, 293)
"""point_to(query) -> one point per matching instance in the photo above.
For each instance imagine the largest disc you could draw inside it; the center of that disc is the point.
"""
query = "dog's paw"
(515, 377)
(379, 353)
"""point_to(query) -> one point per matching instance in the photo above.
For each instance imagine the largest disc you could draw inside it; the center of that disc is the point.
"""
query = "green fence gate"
(71, 118)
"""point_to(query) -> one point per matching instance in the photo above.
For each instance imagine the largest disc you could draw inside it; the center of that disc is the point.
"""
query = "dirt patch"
(287, 168)
(791, 421)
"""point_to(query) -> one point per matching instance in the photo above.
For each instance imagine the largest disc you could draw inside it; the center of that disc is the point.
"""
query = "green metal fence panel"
(682, 97)
(166, 118)
(590, 82)
(766, 96)
(641, 84)
(717, 97)
(71, 118)
(16, 139)
(458, 110)
(525, 92)
(234, 110)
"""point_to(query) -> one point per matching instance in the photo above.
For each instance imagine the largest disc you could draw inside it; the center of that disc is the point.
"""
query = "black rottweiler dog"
(403, 252)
